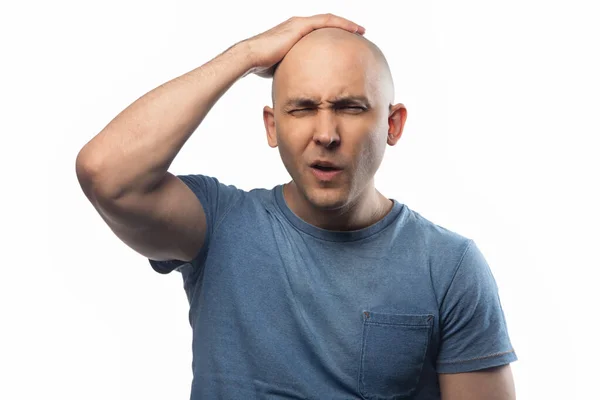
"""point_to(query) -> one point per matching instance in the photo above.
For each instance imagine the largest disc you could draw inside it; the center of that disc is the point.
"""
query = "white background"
(500, 145)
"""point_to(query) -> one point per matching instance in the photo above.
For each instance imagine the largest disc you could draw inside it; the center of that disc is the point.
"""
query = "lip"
(325, 163)
(325, 175)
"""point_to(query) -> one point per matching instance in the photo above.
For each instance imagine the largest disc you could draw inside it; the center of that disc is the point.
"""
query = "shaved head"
(332, 102)
(330, 44)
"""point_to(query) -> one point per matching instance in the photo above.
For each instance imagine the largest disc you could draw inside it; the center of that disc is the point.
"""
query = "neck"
(364, 210)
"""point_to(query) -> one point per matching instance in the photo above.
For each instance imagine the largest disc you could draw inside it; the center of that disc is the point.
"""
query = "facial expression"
(332, 105)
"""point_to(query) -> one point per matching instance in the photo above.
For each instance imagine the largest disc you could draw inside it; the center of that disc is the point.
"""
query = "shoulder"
(441, 242)
(443, 248)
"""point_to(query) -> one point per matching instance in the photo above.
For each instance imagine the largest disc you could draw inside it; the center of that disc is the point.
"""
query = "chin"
(327, 198)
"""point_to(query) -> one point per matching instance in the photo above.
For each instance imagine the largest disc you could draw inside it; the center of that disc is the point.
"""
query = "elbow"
(91, 178)
(86, 170)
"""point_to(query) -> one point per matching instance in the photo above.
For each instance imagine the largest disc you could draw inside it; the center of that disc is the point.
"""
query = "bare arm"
(133, 152)
(123, 169)
(488, 384)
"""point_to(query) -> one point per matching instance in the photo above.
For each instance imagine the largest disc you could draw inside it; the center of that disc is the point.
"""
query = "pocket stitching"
(362, 362)
(427, 323)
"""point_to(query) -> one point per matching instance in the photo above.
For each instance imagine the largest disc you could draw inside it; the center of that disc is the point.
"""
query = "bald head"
(331, 51)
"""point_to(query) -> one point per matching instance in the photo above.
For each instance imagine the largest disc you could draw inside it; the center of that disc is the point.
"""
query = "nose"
(326, 129)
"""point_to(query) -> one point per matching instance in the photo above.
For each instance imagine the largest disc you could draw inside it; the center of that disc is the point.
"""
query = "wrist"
(242, 54)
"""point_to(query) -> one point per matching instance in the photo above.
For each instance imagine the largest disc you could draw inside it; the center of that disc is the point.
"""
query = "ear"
(396, 121)
(269, 120)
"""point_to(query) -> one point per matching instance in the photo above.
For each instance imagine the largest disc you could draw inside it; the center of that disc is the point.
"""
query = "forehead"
(326, 71)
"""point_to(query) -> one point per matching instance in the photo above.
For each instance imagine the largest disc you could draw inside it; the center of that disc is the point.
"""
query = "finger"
(331, 20)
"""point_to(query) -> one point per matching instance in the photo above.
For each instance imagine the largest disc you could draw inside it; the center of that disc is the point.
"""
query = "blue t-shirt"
(280, 308)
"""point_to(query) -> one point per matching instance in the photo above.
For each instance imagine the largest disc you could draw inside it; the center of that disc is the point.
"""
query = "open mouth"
(323, 168)
(325, 172)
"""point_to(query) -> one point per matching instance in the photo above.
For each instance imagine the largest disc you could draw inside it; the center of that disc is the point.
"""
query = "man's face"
(331, 106)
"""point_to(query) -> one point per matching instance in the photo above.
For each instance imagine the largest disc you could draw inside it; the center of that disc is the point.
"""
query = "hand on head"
(268, 48)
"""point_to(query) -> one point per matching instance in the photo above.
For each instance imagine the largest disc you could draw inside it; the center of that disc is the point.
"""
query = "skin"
(324, 67)
(156, 214)
(494, 383)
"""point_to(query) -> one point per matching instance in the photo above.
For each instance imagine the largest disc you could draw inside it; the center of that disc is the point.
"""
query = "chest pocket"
(394, 348)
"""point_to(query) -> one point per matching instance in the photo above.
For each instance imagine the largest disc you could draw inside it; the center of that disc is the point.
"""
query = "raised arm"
(123, 169)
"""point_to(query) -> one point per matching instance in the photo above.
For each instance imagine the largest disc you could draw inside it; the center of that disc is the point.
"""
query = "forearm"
(134, 151)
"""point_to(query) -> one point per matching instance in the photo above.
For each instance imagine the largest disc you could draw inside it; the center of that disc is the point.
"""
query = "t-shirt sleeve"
(474, 333)
(217, 199)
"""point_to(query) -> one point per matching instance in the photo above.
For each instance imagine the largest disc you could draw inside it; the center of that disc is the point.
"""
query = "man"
(321, 288)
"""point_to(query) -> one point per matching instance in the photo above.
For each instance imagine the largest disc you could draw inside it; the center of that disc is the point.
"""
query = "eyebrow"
(306, 102)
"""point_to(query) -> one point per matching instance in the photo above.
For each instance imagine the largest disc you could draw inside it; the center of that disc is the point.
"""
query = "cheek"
(289, 153)
(284, 150)
(292, 138)
(371, 151)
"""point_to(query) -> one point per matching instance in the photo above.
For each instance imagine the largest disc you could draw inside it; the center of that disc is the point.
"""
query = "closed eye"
(353, 109)
(301, 110)
(347, 108)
